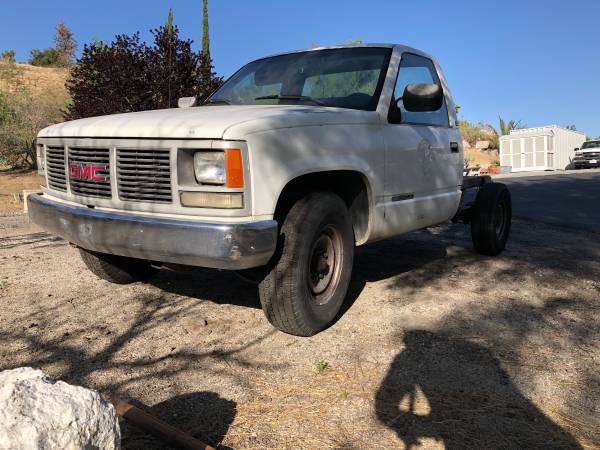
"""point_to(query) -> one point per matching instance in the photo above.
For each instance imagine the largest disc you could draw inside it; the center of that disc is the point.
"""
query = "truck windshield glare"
(343, 78)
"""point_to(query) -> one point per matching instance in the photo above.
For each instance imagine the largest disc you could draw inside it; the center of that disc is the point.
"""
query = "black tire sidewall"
(483, 230)
(285, 295)
(321, 315)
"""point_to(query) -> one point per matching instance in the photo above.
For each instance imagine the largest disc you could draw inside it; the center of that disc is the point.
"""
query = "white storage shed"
(542, 148)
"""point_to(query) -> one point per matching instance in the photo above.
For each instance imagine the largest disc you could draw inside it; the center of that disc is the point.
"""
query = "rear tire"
(310, 273)
(117, 269)
(491, 219)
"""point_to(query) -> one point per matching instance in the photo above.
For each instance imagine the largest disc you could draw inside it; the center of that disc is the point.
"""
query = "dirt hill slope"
(39, 78)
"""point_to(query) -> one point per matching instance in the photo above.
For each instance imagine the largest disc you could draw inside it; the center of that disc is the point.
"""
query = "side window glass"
(417, 69)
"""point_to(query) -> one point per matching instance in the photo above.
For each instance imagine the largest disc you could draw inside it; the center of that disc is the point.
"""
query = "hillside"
(39, 78)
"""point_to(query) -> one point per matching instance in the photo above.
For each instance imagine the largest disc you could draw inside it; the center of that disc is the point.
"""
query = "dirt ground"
(436, 348)
(12, 181)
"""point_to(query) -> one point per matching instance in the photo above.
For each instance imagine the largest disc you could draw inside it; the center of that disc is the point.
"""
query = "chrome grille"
(55, 168)
(89, 159)
(144, 175)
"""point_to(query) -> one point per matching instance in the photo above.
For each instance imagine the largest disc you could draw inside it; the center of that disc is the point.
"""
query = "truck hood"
(206, 122)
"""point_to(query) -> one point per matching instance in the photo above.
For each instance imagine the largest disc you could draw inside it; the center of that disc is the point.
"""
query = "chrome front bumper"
(222, 246)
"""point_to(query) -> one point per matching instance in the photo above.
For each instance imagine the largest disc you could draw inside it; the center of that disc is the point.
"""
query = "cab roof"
(403, 48)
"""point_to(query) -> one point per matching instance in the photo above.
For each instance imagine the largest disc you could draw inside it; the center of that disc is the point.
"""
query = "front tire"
(306, 286)
(491, 219)
(117, 269)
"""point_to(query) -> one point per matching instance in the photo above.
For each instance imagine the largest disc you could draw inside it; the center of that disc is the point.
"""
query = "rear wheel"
(117, 269)
(309, 277)
(491, 219)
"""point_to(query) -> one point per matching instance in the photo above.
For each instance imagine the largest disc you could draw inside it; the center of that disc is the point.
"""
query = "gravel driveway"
(437, 347)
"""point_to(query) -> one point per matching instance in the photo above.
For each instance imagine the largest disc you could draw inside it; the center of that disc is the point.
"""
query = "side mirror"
(422, 97)
(187, 102)
(576, 149)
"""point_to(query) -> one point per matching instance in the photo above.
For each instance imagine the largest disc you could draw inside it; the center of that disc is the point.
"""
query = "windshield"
(343, 78)
(591, 144)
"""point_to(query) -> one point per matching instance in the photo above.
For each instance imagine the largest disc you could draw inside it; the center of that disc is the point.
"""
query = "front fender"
(279, 156)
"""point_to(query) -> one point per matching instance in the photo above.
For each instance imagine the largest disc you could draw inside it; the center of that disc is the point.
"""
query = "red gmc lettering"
(86, 172)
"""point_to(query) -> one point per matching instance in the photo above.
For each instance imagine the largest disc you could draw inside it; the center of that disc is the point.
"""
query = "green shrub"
(478, 132)
(8, 56)
(46, 58)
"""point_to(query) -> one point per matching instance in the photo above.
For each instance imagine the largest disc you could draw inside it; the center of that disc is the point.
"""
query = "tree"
(506, 127)
(65, 45)
(128, 75)
(205, 35)
(8, 56)
(571, 127)
(63, 53)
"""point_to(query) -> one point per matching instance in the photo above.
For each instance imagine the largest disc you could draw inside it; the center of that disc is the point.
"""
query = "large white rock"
(39, 413)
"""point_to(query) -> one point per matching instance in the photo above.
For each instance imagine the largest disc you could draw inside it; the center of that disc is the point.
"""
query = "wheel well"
(351, 186)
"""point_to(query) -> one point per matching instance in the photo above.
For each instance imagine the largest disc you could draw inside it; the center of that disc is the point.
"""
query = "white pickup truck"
(588, 156)
(293, 162)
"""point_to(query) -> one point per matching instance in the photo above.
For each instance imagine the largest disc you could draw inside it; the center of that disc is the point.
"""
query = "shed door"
(550, 162)
(540, 151)
(516, 153)
(505, 158)
(528, 162)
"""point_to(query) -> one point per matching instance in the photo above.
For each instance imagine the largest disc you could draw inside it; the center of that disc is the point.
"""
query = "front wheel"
(309, 277)
(491, 219)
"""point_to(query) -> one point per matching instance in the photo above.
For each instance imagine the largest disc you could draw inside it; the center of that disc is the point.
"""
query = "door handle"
(454, 147)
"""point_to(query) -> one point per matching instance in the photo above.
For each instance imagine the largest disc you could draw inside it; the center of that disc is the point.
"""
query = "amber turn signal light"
(235, 168)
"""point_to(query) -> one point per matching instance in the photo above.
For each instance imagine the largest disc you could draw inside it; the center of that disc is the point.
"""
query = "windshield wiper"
(217, 101)
(291, 97)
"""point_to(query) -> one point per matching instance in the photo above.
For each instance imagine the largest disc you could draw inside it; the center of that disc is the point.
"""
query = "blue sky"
(534, 60)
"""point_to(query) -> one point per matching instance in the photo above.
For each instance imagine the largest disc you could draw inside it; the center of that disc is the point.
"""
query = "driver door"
(423, 156)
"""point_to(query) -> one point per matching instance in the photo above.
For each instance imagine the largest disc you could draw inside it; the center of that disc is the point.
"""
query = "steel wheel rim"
(500, 219)
(324, 265)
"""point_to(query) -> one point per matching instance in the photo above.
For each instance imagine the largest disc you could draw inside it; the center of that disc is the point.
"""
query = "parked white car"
(293, 162)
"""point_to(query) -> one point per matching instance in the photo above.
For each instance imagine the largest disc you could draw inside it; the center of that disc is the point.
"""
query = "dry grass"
(304, 411)
(15, 182)
(39, 79)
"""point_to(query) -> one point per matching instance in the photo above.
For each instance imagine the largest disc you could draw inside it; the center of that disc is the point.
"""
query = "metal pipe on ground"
(156, 427)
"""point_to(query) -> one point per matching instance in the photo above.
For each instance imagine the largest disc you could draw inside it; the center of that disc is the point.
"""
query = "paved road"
(571, 200)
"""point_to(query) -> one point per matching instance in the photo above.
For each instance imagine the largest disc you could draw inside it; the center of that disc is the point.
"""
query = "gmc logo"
(89, 172)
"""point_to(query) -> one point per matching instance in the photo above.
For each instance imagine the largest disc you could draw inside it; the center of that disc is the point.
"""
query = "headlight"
(209, 167)
(41, 164)
(41, 159)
